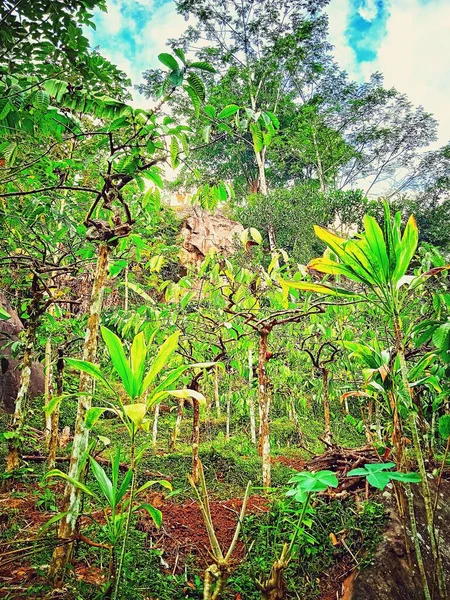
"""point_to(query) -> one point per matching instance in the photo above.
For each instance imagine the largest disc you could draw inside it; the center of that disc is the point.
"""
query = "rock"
(10, 374)
(202, 230)
(391, 577)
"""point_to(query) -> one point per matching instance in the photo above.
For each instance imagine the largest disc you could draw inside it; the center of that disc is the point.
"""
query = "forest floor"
(181, 542)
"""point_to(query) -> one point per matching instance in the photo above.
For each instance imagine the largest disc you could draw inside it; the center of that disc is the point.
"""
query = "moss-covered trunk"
(72, 495)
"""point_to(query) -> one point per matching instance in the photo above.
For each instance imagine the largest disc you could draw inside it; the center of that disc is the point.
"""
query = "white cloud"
(369, 11)
(413, 55)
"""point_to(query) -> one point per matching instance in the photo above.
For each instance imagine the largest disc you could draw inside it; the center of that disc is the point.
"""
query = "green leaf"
(71, 480)
(50, 522)
(161, 360)
(138, 354)
(50, 407)
(168, 61)
(187, 393)
(203, 66)
(124, 486)
(174, 150)
(155, 514)
(4, 315)
(176, 77)
(179, 52)
(93, 414)
(197, 84)
(228, 111)
(210, 110)
(136, 412)
(256, 235)
(379, 480)
(405, 477)
(89, 368)
(194, 99)
(444, 426)
(257, 136)
(104, 482)
(147, 484)
(41, 100)
(119, 360)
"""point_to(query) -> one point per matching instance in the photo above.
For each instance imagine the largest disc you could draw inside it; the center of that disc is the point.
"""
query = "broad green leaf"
(187, 393)
(138, 354)
(194, 99)
(444, 426)
(168, 60)
(375, 239)
(406, 477)
(50, 407)
(104, 482)
(50, 522)
(319, 288)
(155, 514)
(89, 368)
(124, 486)
(203, 66)
(92, 416)
(377, 467)
(74, 482)
(119, 360)
(197, 84)
(147, 484)
(4, 315)
(210, 110)
(136, 412)
(379, 480)
(408, 247)
(228, 111)
(179, 52)
(161, 360)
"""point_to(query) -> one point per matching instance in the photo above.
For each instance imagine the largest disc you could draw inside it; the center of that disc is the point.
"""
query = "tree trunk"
(176, 428)
(48, 385)
(227, 433)
(155, 424)
(264, 408)
(216, 391)
(326, 406)
(72, 495)
(54, 423)
(15, 445)
(195, 433)
(251, 402)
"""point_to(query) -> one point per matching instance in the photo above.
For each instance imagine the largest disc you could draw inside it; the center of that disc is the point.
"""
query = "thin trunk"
(227, 433)
(15, 445)
(428, 504)
(48, 385)
(54, 417)
(251, 402)
(72, 495)
(195, 434)
(295, 419)
(216, 391)
(326, 406)
(319, 162)
(176, 428)
(264, 408)
(155, 424)
(126, 294)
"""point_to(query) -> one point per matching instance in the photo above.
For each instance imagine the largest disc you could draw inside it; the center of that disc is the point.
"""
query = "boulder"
(202, 230)
(9, 372)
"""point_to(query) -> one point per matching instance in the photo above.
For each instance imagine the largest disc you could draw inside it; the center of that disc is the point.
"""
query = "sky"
(406, 40)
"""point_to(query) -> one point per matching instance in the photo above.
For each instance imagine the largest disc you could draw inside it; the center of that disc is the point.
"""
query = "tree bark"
(176, 428)
(54, 417)
(195, 433)
(326, 406)
(155, 424)
(15, 445)
(216, 391)
(251, 402)
(72, 495)
(264, 409)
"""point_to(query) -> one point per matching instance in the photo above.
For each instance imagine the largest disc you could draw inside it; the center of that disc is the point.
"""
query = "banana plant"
(143, 392)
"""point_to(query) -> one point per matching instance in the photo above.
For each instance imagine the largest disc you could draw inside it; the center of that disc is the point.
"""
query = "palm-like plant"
(378, 259)
(142, 393)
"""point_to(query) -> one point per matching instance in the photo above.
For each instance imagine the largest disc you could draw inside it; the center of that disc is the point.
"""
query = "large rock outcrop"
(9, 373)
(202, 230)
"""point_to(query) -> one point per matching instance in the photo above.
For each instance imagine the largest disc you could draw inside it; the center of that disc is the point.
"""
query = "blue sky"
(407, 40)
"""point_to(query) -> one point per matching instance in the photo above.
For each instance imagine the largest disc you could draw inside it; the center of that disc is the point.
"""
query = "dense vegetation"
(219, 428)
